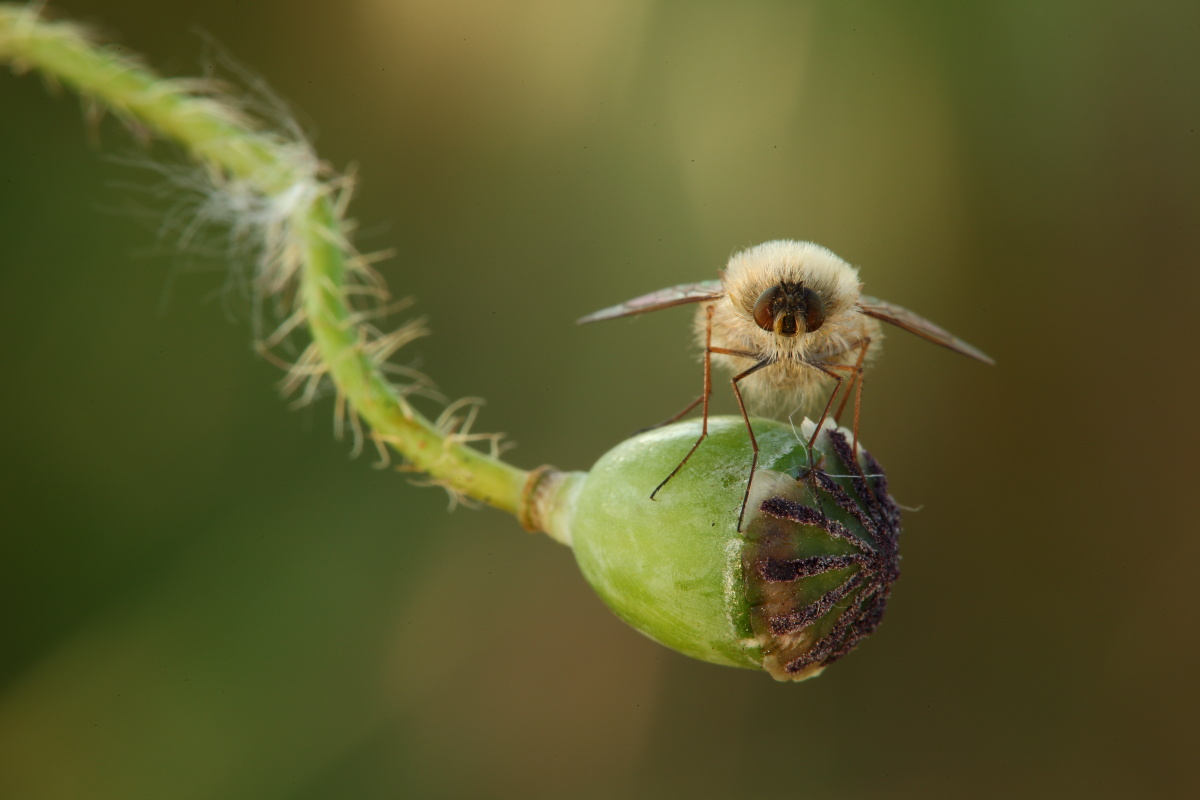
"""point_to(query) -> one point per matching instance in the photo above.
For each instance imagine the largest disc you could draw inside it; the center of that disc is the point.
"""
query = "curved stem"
(303, 234)
(356, 375)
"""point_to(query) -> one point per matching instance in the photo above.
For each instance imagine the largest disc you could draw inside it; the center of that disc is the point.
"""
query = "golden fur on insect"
(790, 382)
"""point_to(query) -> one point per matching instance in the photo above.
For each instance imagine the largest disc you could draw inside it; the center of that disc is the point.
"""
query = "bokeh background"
(202, 595)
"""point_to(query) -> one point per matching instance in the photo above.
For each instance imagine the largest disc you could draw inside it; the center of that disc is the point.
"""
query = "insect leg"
(703, 397)
(675, 418)
(766, 362)
(856, 380)
(825, 368)
(856, 369)
(860, 375)
(812, 467)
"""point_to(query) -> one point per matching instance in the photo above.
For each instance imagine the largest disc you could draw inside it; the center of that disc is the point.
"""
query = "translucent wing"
(663, 298)
(903, 318)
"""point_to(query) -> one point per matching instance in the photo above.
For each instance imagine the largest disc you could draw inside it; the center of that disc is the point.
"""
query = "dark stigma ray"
(846, 503)
(865, 592)
(799, 620)
(782, 508)
(843, 638)
(777, 570)
(842, 448)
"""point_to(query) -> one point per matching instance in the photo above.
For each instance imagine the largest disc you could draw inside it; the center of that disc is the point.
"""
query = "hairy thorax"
(795, 378)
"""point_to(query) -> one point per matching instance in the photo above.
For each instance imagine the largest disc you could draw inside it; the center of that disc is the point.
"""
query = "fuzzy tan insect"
(790, 321)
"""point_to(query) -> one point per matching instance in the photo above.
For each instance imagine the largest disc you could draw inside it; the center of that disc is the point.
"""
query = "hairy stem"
(307, 250)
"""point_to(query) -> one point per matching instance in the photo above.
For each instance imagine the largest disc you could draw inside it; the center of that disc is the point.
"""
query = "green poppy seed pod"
(804, 581)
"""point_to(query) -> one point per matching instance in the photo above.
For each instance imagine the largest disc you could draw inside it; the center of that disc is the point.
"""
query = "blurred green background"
(203, 596)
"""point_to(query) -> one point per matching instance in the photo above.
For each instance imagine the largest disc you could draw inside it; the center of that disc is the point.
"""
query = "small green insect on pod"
(789, 588)
(799, 587)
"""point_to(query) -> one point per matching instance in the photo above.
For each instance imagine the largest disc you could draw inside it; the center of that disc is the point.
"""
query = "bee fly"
(788, 319)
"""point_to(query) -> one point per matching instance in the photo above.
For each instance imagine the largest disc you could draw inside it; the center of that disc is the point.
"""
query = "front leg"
(856, 380)
(766, 362)
(708, 351)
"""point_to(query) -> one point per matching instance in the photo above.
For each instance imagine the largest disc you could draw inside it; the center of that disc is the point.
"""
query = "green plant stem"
(288, 174)
(464, 469)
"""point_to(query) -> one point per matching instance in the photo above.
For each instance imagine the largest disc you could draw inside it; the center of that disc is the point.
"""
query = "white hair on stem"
(256, 177)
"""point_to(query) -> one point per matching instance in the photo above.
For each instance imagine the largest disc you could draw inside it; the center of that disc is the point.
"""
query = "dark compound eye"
(814, 310)
(764, 308)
